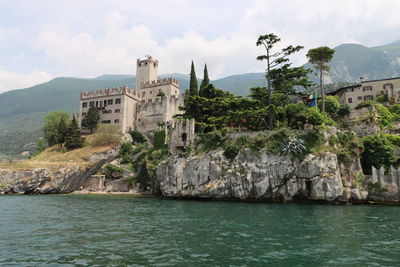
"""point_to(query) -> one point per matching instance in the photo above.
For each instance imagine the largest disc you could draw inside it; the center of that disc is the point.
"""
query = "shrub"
(137, 137)
(295, 115)
(332, 105)
(294, 147)
(126, 153)
(159, 140)
(161, 94)
(276, 141)
(345, 138)
(315, 117)
(382, 97)
(313, 141)
(106, 135)
(386, 117)
(111, 171)
(211, 140)
(395, 110)
(344, 110)
(394, 139)
(378, 152)
(231, 151)
(344, 156)
(364, 104)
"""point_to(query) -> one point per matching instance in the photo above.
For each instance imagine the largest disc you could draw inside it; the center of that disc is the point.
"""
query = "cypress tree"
(91, 119)
(206, 80)
(73, 139)
(194, 86)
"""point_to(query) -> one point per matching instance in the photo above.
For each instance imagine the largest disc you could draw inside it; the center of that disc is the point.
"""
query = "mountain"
(352, 61)
(22, 111)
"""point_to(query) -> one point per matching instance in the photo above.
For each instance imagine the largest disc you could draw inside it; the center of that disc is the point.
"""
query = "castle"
(152, 104)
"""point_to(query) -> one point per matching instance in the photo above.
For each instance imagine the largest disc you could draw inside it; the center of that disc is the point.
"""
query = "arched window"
(184, 137)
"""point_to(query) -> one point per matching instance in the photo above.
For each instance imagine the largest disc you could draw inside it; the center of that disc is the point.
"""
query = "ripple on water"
(75, 230)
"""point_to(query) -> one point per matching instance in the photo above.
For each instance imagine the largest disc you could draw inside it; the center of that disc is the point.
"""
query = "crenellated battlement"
(158, 82)
(123, 90)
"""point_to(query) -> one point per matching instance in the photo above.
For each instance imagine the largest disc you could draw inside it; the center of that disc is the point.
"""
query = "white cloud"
(177, 31)
(13, 80)
(9, 33)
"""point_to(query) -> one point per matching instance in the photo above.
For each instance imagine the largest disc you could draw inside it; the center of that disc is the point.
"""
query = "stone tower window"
(184, 137)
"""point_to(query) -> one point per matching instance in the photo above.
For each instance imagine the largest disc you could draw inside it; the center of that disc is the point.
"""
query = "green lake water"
(92, 230)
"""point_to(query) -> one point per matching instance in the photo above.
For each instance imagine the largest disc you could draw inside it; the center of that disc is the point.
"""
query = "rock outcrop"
(256, 176)
(52, 180)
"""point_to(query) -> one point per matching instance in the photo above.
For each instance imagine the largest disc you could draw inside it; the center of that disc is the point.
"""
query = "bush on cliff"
(137, 137)
(231, 151)
(378, 151)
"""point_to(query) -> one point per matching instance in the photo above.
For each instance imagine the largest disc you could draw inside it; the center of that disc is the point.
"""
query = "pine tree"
(206, 80)
(194, 86)
(61, 131)
(91, 119)
(73, 139)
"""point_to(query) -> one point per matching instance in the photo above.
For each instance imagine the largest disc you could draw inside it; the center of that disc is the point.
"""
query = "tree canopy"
(53, 123)
(91, 119)
(319, 57)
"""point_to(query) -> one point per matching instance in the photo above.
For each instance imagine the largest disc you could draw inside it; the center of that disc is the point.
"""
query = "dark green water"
(90, 230)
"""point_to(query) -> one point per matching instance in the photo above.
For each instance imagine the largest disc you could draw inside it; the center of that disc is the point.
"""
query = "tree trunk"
(321, 87)
(270, 111)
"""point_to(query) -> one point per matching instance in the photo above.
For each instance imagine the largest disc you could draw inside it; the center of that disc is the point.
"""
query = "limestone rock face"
(252, 175)
(52, 180)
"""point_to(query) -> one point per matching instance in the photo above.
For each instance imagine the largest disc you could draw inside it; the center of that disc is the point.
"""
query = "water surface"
(92, 230)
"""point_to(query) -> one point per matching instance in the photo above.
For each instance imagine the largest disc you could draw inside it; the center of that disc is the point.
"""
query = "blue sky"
(43, 39)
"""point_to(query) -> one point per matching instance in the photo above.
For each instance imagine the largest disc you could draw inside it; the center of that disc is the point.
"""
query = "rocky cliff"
(260, 176)
(54, 179)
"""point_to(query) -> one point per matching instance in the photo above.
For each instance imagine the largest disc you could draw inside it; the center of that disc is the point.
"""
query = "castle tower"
(146, 70)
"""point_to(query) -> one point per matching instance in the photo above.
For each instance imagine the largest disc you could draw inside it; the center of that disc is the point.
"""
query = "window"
(91, 103)
(151, 92)
(350, 100)
(367, 88)
(368, 97)
(84, 104)
(118, 101)
(117, 110)
(359, 98)
(110, 101)
(388, 86)
(107, 111)
(106, 122)
(116, 121)
(97, 104)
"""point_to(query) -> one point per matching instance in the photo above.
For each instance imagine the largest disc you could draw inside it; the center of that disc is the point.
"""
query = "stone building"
(153, 103)
(368, 90)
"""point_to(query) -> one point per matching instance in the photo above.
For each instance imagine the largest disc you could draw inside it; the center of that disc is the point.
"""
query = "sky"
(44, 39)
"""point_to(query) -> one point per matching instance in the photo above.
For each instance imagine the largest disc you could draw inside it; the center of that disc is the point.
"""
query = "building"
(368, 90)
(152, 103)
